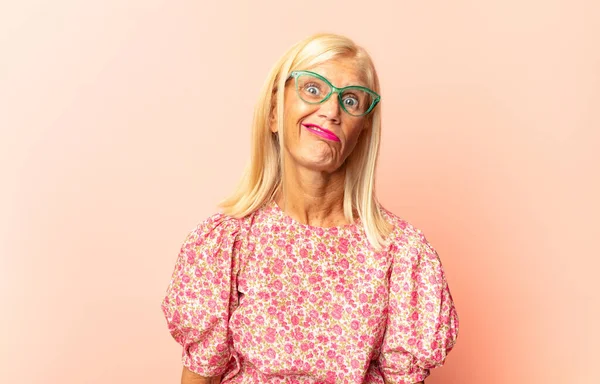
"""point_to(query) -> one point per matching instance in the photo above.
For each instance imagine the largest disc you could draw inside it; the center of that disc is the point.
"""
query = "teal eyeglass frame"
(376, 97)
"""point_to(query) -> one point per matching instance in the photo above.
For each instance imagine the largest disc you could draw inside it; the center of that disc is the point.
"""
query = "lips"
(320, 131)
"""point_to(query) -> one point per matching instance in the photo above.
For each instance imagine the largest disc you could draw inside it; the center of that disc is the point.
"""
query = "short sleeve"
(422, 323)
(202, 294)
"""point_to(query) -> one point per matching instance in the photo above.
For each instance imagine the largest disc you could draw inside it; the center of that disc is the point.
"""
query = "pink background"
(123, 123)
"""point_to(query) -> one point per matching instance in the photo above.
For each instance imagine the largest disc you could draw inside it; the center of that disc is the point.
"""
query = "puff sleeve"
(422, 323)
(202, 294)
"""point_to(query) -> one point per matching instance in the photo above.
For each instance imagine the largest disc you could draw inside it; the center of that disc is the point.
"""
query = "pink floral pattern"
(266, 299)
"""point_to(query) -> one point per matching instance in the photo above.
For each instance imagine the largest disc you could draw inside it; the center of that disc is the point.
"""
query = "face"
(321, 136)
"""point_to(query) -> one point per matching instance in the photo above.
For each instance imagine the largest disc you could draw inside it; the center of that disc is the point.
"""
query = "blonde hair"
(262, 178)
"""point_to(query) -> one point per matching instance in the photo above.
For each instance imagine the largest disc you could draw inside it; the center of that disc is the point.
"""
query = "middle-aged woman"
(304, 277)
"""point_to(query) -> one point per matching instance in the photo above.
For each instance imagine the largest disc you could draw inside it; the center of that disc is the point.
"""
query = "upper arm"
(202, 294)
(422, 322)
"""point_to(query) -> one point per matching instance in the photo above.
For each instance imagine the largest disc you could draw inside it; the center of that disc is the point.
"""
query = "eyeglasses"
(313, 88)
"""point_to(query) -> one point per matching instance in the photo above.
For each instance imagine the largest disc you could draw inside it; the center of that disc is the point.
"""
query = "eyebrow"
(352, 84)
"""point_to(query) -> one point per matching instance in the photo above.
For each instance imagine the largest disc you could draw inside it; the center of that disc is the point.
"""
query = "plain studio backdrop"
(123, 123)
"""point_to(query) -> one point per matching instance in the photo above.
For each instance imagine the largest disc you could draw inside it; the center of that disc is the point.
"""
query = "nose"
(331, 109)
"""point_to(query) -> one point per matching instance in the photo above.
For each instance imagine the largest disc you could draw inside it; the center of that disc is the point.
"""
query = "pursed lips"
(325, 133)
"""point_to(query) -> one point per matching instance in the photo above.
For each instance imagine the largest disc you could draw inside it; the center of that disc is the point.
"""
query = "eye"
(312, 88)
(351, 101)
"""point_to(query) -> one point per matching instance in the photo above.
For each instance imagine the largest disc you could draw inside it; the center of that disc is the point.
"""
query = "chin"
(321, 166)
(309, 159)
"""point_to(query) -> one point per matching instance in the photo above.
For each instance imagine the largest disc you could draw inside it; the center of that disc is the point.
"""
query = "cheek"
(294, 114)
(299, 111)
(353, 134)
(295, 109)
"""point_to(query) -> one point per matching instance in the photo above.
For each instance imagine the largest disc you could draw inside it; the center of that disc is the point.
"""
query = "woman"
(304, 277)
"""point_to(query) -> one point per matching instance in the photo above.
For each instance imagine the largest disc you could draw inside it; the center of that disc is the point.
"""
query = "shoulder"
(217, 228)
(405, 237)
(402, 230)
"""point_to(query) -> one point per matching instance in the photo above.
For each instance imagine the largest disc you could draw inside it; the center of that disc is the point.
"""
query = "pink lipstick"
(320, 131)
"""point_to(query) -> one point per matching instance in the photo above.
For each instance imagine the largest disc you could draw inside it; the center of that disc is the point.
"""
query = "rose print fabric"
(266, 299)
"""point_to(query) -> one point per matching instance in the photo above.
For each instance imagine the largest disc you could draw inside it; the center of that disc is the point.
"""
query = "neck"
(312, 197)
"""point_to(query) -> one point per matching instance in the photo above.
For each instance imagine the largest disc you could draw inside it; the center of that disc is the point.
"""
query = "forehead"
(341, 72)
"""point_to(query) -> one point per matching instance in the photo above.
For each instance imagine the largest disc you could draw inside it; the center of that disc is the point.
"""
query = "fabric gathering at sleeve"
(422, 323)
(202, 294)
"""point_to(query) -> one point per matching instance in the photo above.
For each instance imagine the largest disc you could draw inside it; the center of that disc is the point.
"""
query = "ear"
(273, 119)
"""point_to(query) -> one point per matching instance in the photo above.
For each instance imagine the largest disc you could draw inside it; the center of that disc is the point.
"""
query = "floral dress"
(266, 299)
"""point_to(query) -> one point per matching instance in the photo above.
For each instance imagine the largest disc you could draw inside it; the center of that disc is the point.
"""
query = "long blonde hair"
(262, 178)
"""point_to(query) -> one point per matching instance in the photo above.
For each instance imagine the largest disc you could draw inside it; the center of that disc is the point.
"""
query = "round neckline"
(288, 219)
